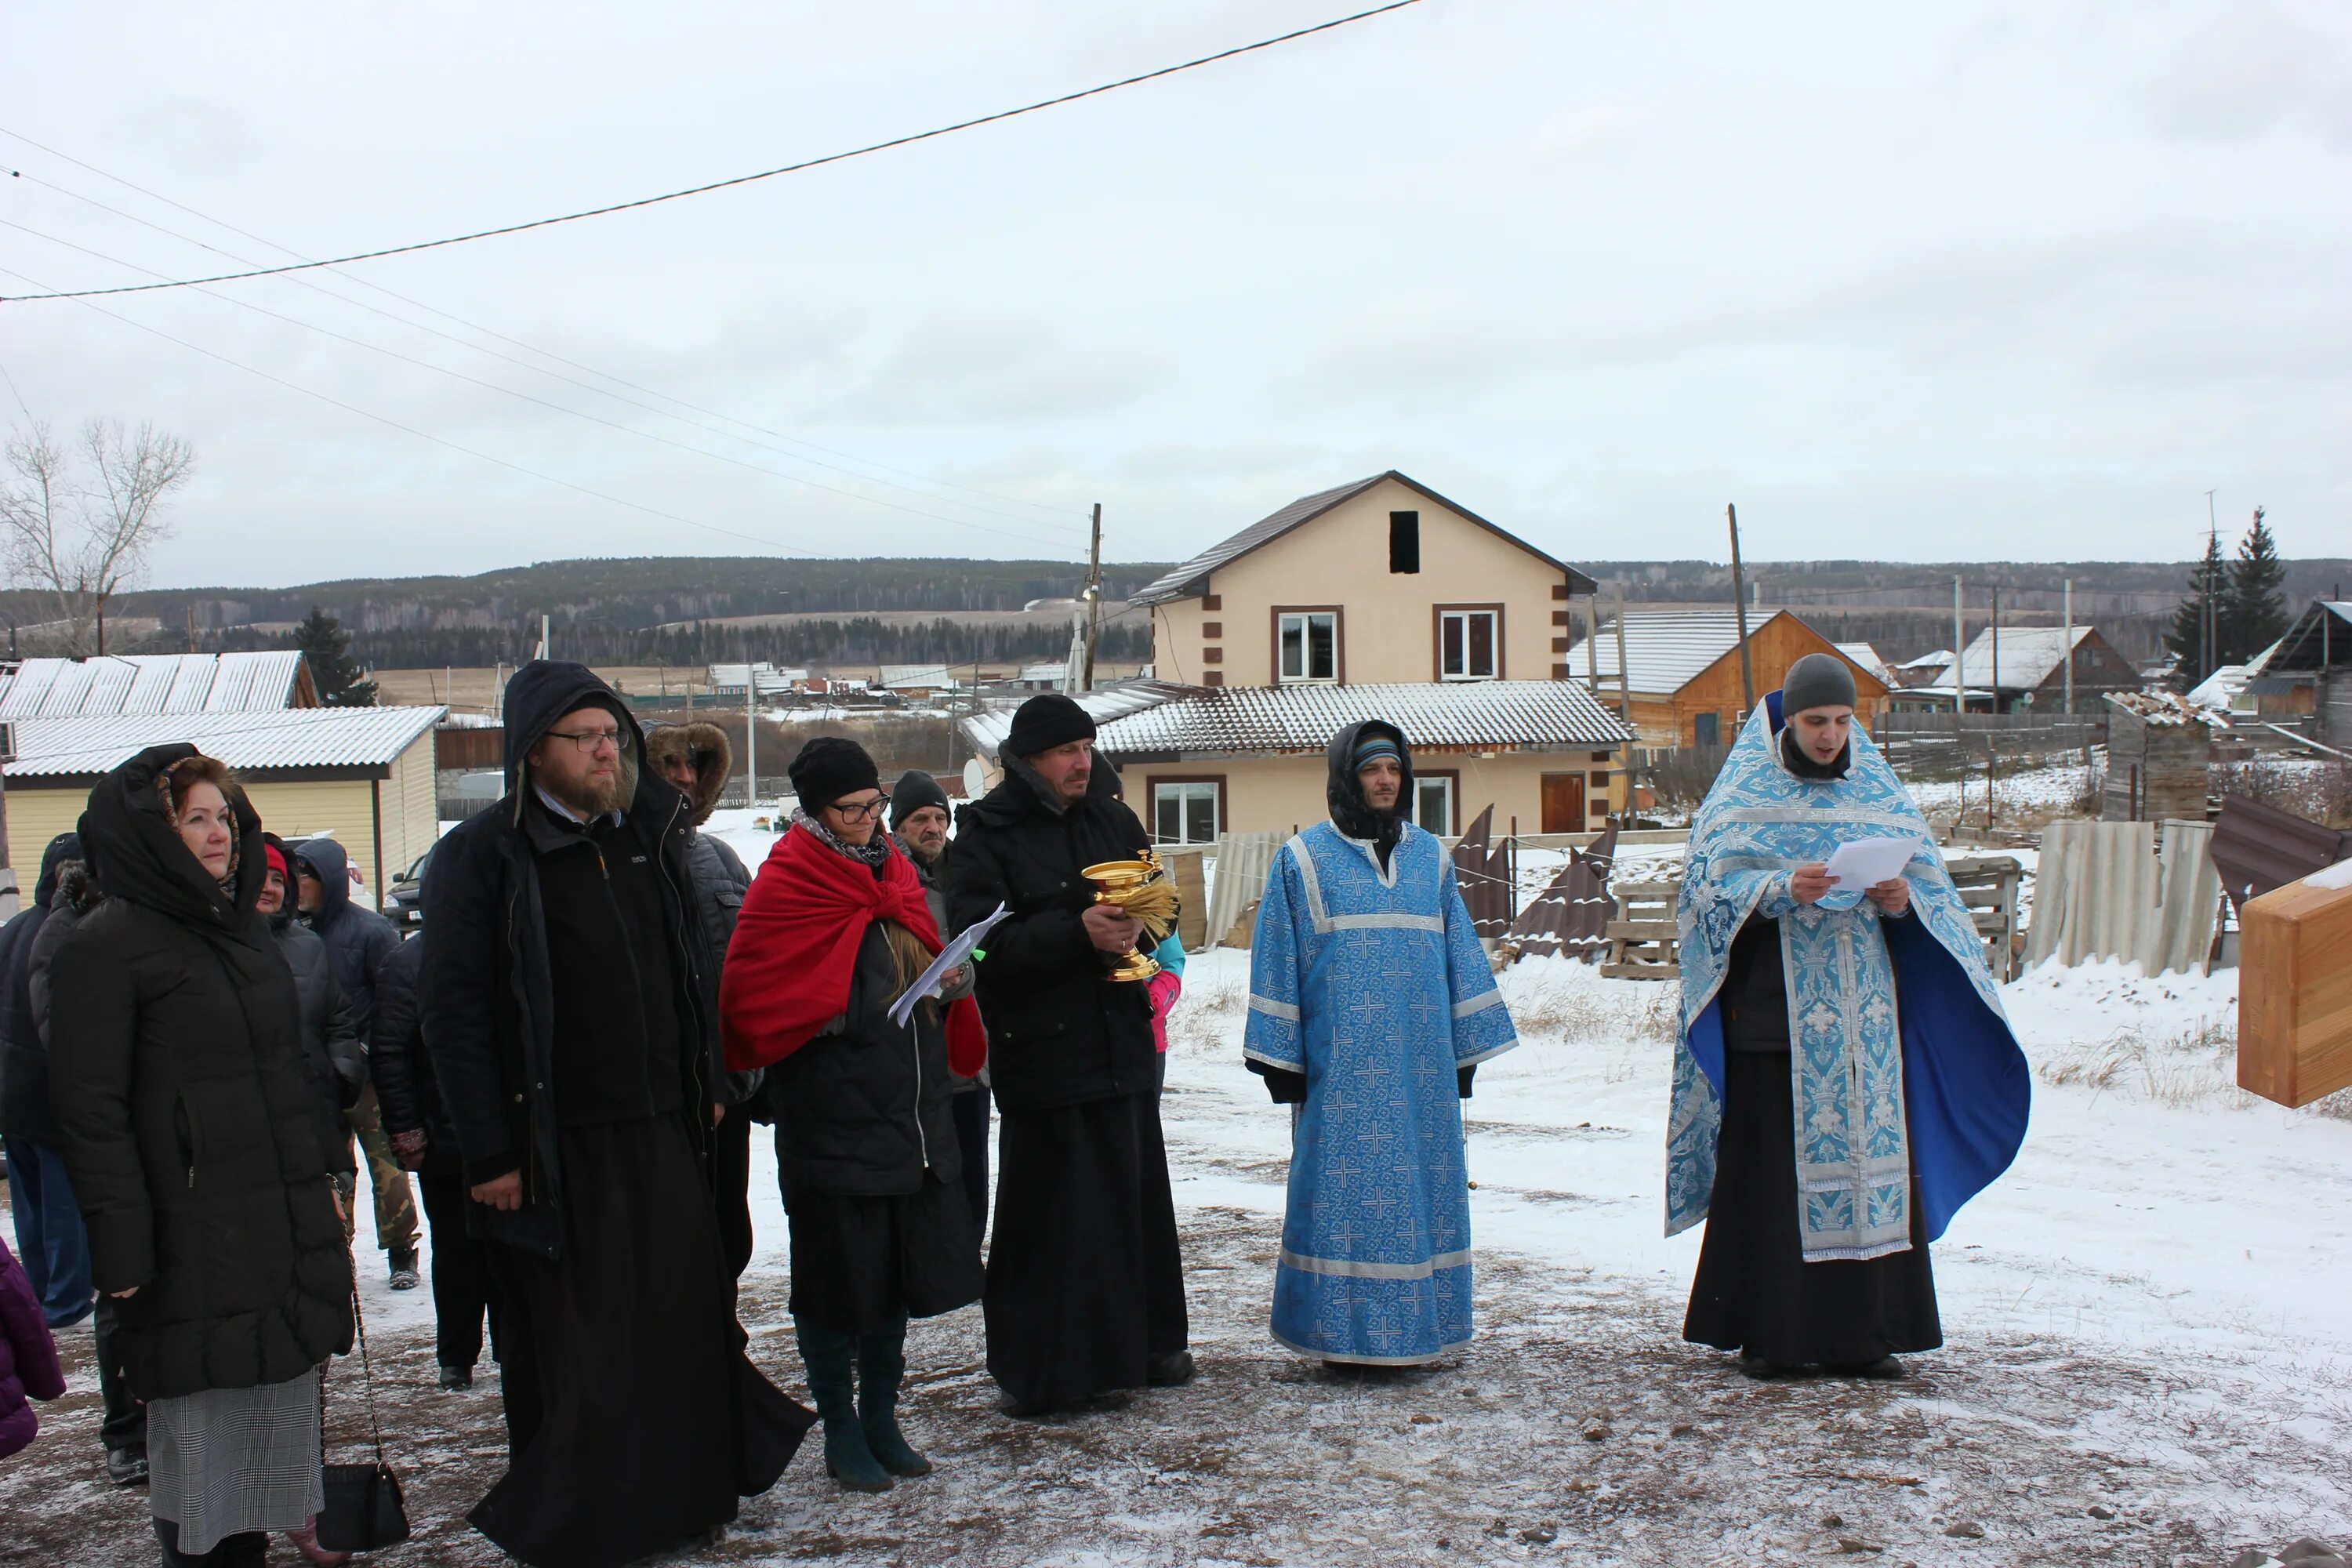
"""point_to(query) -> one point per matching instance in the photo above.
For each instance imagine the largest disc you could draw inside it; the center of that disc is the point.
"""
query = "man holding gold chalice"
(1086, 1287)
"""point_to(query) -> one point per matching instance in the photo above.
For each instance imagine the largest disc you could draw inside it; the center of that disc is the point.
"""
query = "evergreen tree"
(2188, 639)
(325, 647)
(2254, 615)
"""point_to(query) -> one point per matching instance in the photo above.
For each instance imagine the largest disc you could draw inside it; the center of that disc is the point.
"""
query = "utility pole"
(2208, 644)
(751, 735)
(1739, 599)
(1624, 679)
(1094, 596)
(2069, 601)
(1996, 647)
(1959, 693)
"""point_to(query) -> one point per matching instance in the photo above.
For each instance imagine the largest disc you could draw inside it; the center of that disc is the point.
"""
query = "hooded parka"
(24, 1059)
(332, 1047)
(187, 1114)
(358, 940)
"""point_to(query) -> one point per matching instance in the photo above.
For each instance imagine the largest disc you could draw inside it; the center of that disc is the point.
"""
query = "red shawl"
(795, 947)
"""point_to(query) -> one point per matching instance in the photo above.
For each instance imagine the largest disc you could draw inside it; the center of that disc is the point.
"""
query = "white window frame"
(1304, 620)
(1494, 643)
(1442, 782)
(1182, 793)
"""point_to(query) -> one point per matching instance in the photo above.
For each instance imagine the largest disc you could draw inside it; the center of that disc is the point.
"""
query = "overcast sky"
(1966, 281)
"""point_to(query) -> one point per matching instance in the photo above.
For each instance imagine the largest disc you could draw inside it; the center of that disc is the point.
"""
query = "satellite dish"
(975, 777)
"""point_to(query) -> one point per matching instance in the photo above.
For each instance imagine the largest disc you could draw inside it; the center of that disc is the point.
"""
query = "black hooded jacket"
(332, 1047)
(24, 1059)
(187, 1118)
(358, 940)
(1059, 1033)
(399, 1063)
(488, 990)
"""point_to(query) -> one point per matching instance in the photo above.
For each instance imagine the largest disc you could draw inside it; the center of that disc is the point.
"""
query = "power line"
(727, 183)
(428, 436)
(541, 402)
(522, 364)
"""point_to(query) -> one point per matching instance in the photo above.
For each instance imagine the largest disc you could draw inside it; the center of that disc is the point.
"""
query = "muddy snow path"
(2150, 1362)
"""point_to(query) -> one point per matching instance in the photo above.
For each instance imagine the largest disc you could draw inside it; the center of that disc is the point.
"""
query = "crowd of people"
(604, 1000)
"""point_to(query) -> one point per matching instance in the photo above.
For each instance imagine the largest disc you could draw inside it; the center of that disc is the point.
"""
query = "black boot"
(847, 1459)
(248, 1549)
(881, 1366)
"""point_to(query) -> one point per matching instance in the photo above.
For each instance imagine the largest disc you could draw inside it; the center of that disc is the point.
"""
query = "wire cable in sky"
(1058, 512)
(727, 184)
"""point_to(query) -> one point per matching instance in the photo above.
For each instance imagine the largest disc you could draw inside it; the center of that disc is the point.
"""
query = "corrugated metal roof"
(2321, 634)
(1666, 650)
(2028, 656)
(1188, 579)
(118, 684)
(1484, 715)
(290, 738)
(987, 729)
(929, 676)
(2169, 709)
(1863, 654)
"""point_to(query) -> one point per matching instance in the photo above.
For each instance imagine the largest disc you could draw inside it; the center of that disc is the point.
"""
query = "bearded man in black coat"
(1086, 1284)
(570, 1035)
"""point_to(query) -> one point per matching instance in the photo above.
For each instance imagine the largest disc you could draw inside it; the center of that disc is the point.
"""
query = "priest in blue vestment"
(1371, 1007)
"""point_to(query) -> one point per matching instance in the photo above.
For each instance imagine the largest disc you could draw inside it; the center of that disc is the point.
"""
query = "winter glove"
(1285, 1087)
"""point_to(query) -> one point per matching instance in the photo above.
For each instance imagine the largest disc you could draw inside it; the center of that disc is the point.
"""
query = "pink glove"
(1163, 988)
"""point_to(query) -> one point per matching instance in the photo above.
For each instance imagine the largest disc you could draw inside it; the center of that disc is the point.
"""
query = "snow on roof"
(1666, 650)
(1188, 580)
(1058, 671)
(986, 730)
(933, 675)
(290, 738)
(2028, 656)
(2168, 709)
(1483, 715)
(117, 684)
(1863, 654)
(2221, 689)
(1939, 659)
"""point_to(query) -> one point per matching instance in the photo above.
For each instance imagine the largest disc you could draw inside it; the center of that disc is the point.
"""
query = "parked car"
(404, 902)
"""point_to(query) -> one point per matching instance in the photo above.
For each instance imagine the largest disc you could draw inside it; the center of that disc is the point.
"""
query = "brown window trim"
(1560, 617)
(1560, 590)
(1152, 782)
(1338, 614)
(1453, 799)
(1212, 602)
(1212, 655)
(1559, 645)
(1213, 630)
(1212, 678)
(1437, 613)
(1559, 672)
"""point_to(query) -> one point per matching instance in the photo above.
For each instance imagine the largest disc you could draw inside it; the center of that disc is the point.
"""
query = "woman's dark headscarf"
(127, 830)
(1351, 813)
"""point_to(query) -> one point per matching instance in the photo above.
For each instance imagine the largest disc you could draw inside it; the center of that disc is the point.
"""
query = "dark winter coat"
(488, 1013)
(862, 1109)
(721, 877)
(185, 1113)
(77, 894)
(358, 940)
(24, 1059)
(1059, 1033)
(331, 1043)
(28, 1356)
(399, 1063)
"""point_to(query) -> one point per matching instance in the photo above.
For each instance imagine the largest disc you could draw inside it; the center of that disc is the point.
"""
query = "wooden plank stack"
(1987, 885)
(1642, 937)
(2295, 991)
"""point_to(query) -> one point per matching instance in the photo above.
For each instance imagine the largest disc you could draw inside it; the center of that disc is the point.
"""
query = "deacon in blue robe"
(1370, 1005)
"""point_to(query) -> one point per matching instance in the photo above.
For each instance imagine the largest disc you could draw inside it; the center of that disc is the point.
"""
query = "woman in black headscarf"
(186, 1112)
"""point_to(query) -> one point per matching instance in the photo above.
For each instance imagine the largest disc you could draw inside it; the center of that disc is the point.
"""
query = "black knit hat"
(829, 768)
(1816, 681)
(1045, 721)
(915, 790)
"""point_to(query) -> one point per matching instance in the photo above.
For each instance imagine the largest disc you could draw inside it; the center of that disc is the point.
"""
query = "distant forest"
(657, 610)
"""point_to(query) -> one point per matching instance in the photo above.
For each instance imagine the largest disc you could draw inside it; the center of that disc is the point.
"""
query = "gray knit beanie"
(1816, 681)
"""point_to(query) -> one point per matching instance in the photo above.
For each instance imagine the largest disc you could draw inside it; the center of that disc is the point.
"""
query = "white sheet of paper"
(955, 952)
(1866, 862)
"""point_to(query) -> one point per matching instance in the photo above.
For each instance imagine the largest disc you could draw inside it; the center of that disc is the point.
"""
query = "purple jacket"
(29, 1357)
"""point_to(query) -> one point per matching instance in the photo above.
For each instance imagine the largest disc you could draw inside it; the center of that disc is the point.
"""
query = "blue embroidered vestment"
(1374, 986)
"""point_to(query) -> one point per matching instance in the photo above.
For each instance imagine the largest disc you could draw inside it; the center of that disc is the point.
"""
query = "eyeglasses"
(858, 811)
(588, 740)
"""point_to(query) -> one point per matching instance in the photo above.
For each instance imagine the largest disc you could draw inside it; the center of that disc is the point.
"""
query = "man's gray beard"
(915, 852)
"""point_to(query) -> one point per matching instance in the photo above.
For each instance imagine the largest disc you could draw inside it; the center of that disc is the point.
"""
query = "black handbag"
(363, 1510)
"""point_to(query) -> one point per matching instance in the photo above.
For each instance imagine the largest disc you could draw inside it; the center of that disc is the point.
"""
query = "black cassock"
(635, 1417)
(1754, 1292)
(1086, 1283)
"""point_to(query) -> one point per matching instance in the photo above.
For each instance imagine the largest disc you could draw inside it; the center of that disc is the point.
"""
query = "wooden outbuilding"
(1682, 670)
(2159, 749)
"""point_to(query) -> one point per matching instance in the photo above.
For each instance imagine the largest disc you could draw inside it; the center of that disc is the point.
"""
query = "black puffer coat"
(331, 1041)
(23, 1058)
(358, 940)
(185, 1113)
(1058, 1032)
(862, 1109)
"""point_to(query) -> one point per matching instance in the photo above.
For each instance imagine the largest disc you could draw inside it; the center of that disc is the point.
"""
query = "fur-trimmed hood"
(714, 759)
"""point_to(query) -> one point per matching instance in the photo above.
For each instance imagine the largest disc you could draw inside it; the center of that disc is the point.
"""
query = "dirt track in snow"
(1577, 1429)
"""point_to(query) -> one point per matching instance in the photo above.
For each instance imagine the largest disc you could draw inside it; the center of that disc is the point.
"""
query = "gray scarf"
(873, 853)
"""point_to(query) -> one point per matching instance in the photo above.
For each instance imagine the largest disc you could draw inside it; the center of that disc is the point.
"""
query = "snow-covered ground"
(2148, 1352)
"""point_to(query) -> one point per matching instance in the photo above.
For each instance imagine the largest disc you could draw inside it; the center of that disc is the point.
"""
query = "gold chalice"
(1141, 888)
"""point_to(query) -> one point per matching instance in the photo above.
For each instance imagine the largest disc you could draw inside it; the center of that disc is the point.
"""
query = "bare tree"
(74, 540)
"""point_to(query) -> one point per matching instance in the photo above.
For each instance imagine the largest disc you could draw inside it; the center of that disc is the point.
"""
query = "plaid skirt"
(233, 1459)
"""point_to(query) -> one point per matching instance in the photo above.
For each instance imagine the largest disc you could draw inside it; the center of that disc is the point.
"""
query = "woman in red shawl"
(833, 929)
